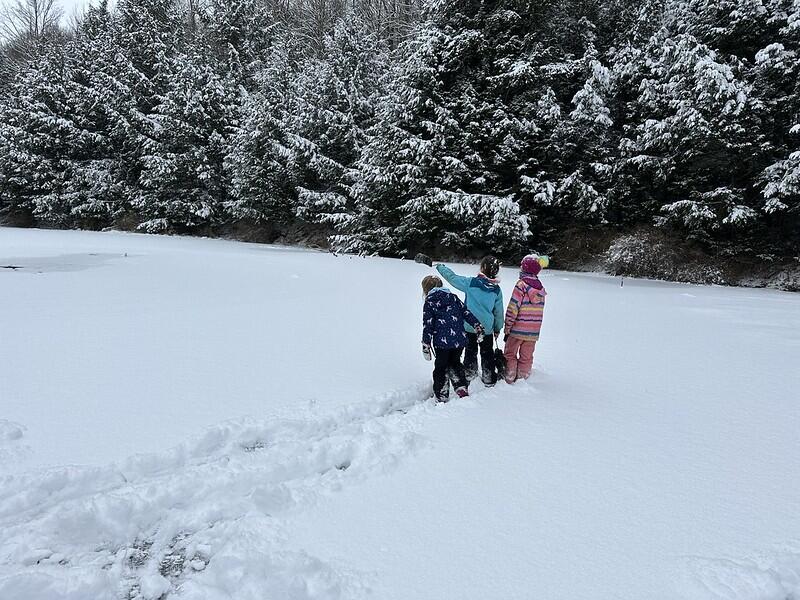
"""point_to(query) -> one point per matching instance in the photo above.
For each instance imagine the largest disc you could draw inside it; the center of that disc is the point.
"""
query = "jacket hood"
(531, 280)
(483, 282)
(439, 289)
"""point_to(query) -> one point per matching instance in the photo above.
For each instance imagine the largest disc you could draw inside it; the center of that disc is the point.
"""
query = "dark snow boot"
(442, 395)
(500, 363)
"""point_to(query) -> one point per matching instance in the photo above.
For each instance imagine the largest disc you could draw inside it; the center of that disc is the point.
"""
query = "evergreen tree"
(32, 140)
(334, 104)
(303, 129)
(584, 142)
(95, 186)
(238, 35)
(493, 125)
(693, 118)
(738, 28)
(777, 77)
(182, 183)
(452, 159)
(60, 162)
(262, 183)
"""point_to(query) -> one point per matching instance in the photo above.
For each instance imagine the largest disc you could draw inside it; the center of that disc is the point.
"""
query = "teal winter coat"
(484, 299)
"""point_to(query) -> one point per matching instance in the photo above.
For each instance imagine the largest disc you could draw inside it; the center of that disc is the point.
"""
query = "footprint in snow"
(10, 431)
(12, 449)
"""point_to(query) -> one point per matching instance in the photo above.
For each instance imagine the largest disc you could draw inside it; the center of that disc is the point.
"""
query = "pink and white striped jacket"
(525, 311)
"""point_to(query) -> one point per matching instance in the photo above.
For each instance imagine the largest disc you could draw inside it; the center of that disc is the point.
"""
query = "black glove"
(423, 259)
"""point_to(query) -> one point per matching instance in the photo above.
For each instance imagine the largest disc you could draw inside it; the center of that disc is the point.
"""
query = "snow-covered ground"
(186, 418)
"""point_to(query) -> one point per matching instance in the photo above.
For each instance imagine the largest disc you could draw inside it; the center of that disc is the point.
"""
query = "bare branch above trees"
(29, 20)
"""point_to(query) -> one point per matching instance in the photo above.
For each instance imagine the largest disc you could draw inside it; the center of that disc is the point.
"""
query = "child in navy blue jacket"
(442, 330)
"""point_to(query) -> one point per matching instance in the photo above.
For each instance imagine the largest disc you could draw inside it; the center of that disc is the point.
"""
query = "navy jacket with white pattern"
(442, 319)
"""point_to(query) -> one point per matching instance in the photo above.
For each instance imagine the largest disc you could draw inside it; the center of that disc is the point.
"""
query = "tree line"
(394, 126)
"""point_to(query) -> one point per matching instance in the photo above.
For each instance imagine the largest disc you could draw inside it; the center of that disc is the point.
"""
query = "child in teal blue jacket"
(484, 299)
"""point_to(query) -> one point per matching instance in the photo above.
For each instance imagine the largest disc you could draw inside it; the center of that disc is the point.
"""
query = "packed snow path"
(152, 525)
(203, 419)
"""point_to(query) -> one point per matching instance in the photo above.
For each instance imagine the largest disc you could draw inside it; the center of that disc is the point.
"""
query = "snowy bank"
(188, 418)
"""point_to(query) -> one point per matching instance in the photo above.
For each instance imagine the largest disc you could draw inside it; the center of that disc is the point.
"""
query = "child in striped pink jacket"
(524, 320)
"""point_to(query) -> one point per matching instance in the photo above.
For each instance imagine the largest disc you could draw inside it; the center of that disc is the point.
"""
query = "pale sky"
(69, 7)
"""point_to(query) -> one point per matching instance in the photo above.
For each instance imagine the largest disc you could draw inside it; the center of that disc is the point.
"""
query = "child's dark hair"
(430, 282)
(490, 266)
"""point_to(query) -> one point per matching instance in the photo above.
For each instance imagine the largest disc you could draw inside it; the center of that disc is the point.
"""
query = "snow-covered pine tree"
(777, 78)
(584, 142)
(690, 118)
(302, 130)
(78, 120)
(238, 35)
(65, 120)
(334, 101)
(447, 165)
(182, 186)
(731, 27)
(586, 114)
(169, 110)
(95, 185)
(262, 183)
(39, 135)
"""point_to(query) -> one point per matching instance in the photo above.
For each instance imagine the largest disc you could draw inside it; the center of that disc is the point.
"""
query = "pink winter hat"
(530, 264)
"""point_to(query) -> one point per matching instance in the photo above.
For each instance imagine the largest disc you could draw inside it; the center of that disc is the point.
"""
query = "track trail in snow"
(203, 520)
(209, 519)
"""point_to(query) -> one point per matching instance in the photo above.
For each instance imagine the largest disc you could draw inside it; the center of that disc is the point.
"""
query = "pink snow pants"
(519, 358)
